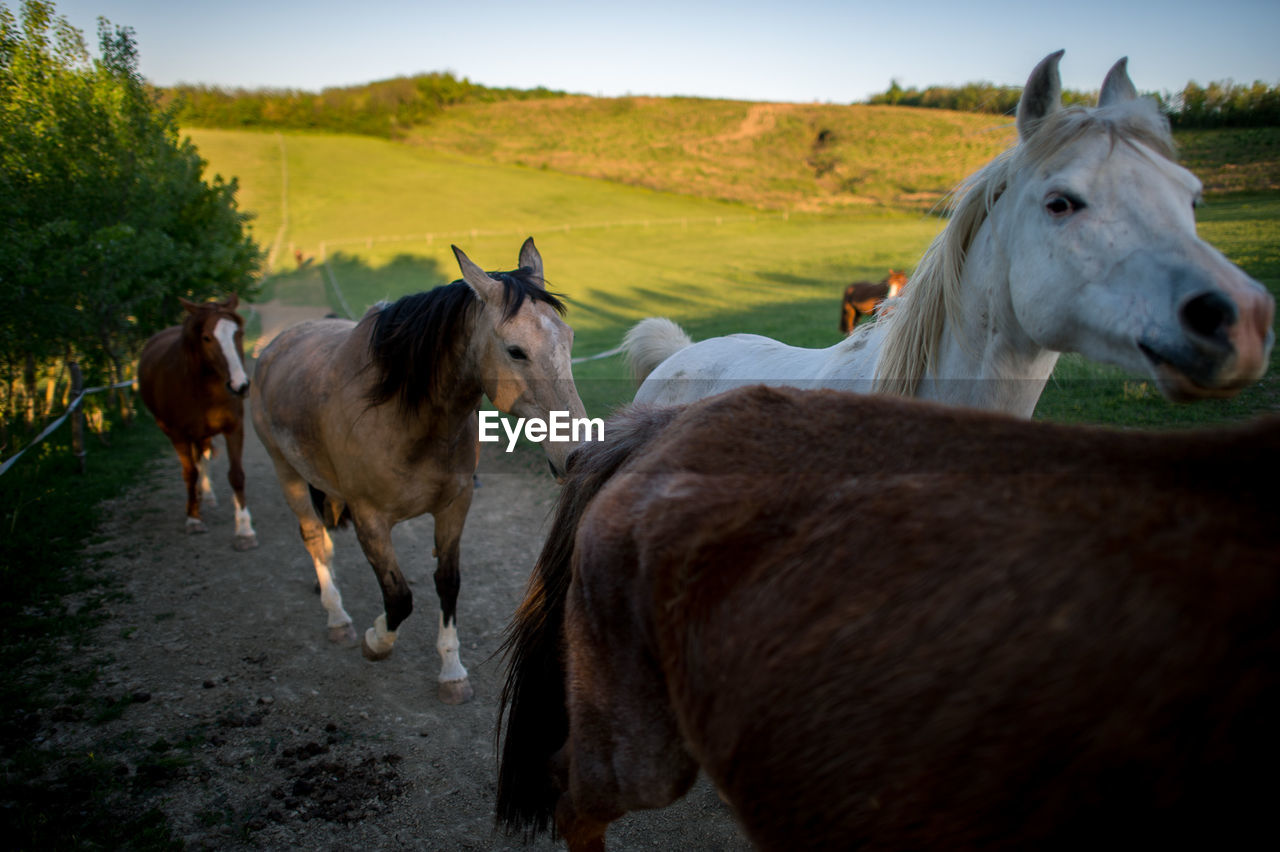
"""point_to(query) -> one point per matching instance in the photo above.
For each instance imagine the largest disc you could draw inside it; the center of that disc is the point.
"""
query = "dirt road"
(254, 731)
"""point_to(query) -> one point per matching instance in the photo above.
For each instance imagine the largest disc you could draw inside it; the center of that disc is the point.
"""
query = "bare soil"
(248, 729)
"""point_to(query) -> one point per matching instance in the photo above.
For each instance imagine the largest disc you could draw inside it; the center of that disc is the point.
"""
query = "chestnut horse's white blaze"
(377, 421)
(225, 333)
(1081, 238)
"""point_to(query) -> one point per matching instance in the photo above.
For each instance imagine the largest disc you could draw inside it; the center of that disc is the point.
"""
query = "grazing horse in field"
(1080, 238)
(192, 379)
(379, 418)
(861, 298)
(1001, 634)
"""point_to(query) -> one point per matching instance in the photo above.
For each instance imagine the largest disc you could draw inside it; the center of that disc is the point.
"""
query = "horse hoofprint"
(1080, 238)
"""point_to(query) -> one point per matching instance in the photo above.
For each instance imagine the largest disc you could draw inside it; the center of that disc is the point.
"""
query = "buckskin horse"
(861, 298)
(378, 420)
(192, 379)
(1001, 634)
(1079, 238)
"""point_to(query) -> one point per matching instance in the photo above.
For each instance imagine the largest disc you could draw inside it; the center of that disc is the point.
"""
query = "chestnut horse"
(1080, 238)
(192, 379)
(1002, 634)
(861, 298)
(380, 418)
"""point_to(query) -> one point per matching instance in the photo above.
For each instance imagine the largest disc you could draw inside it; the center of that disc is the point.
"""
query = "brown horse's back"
(950, 630)
(944, 659)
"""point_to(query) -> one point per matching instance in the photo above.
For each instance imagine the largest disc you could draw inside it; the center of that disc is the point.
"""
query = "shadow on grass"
(348, 285)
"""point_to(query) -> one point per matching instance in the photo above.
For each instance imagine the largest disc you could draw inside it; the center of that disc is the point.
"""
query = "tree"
(105, 217)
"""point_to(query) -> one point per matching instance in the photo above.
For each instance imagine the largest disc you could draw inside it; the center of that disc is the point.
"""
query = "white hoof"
(195, 525)
(369, 653)
(245, 542)
(455, 691)
(344, 635)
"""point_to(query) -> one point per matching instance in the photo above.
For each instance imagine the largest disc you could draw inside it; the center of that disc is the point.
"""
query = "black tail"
(534, 703)
(331, 510)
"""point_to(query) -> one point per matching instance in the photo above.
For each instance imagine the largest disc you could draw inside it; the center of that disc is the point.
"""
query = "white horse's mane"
(914, 327)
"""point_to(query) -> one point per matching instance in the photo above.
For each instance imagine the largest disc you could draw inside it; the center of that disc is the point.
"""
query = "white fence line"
(333, 279)
(605, 354)
(48, 430)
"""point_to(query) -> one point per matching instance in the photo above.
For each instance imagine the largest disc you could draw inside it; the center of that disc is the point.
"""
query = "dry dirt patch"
(248, 729)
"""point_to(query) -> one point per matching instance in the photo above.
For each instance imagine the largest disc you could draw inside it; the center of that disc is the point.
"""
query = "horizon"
(804, 51)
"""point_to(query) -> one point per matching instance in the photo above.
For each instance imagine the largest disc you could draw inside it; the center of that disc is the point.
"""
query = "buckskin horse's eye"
(517, 354)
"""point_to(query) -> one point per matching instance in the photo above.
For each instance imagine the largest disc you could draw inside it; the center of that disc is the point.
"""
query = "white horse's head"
(1096, 220)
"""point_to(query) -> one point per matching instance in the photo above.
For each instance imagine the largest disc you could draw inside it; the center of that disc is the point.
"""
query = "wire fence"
(52, 427)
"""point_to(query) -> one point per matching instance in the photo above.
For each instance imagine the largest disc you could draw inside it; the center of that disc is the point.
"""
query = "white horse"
(1080, 238)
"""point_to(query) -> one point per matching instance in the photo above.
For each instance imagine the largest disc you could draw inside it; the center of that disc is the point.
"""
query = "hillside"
(772, 156)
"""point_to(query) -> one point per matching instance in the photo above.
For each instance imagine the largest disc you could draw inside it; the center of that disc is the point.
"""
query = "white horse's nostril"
(1209, 315)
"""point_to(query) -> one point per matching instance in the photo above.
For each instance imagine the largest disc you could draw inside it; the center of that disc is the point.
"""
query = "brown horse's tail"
(533, 703)
(332, 511)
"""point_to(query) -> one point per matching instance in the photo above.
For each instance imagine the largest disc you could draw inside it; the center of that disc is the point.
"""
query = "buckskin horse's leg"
(246, 538)
(320, 547)
(397, 601)
(454, 687)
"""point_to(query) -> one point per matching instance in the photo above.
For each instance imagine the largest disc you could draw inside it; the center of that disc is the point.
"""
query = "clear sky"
(781, 50)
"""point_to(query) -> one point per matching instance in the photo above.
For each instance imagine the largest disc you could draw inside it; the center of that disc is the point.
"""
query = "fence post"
(77, 416)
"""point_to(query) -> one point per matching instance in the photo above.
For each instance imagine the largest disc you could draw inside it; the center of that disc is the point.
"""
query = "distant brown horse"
(192, 379)
(861, 298)
(378, 419)
(997, 634)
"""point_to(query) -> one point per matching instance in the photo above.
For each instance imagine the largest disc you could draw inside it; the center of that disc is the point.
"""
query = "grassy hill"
(774, 156)
(722, 215)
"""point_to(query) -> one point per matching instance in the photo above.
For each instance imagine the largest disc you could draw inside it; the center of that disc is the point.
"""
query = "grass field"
(380, 216)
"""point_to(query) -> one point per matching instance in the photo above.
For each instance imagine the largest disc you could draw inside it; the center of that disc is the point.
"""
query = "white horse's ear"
(1117, 87)
(531, 259)
(1041, 96)
(477, 279)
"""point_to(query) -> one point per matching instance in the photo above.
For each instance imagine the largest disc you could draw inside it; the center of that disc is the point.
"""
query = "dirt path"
(252, 731)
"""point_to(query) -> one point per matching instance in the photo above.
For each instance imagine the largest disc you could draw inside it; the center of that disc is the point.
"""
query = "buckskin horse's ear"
(531, 259)
(1041, 96)
(1117, 87)
(477, 279)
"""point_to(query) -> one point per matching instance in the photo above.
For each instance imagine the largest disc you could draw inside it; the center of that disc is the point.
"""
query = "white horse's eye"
(517, 354)
(1062, 205)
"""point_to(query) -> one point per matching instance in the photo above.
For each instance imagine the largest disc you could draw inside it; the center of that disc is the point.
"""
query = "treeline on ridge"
(1220, 104)
(388, 108)
(385, 108)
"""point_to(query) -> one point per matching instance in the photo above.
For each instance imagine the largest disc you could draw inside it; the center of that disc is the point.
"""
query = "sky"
(837, 51)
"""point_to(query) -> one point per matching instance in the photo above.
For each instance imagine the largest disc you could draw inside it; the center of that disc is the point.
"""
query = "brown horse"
(192, 379)
(861, 298)
(998, 634)
(380, 418)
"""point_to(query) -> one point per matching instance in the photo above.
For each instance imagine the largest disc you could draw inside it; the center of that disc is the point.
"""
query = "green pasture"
(377, 218)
